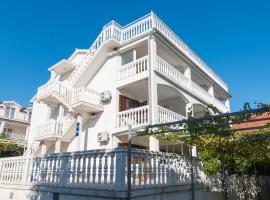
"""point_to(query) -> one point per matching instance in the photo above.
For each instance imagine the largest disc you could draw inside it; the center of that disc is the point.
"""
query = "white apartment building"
(14, 121)
(141, 73)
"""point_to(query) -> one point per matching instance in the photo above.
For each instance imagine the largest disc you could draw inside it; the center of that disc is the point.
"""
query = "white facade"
(14, 121)
(141, 73)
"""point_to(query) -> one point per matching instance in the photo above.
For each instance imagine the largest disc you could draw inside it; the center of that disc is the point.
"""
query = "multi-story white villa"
(14, 121)
(137, 74)
(141, 73)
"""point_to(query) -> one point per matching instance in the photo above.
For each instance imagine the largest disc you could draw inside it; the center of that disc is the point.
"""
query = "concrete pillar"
(43, 148)
(115, 142)
(152, 90)
(61, 113)
(2, 126)
(189, 107)
(134, 54)
(211, 91)
(83, 140)
(194, 151)
(187, 73)
(153, 144)
(57, 147)
(227, 104)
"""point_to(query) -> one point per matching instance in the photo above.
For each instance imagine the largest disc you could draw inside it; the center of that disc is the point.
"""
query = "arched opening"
(172, 99)
(199, 110)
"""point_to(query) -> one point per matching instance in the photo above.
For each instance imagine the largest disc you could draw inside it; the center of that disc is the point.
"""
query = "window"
(9, 112)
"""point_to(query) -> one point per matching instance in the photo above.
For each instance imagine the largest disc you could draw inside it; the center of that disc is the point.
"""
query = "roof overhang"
(63, 67)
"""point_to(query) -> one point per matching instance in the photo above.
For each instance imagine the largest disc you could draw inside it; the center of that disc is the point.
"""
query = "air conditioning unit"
(105, 96)
(103, 137)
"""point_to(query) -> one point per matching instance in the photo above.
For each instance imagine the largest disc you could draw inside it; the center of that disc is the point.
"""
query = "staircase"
(68, 123)
(110, 31)
(57, 90)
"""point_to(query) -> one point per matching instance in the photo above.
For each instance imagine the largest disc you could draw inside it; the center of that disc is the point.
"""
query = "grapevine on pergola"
(215, 137)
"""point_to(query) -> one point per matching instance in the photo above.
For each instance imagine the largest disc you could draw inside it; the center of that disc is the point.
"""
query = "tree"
(9, 148)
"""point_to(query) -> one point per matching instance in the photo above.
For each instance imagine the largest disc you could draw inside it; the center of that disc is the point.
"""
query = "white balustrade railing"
(166, 115)
(69, 95)
(98, 169)
(86, 95)
(199, 89)
(170, 35)
(174, 75)
(135, 116)
(132, 31)
(55, 87)
(55, 128)
(51, 128)
(136, 28)
(133, 68)
(111, 30)
(170, 72)
(20, 116)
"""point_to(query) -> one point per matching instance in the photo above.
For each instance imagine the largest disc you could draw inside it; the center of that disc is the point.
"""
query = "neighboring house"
(14, 121)
(141, 73)
(253, 124)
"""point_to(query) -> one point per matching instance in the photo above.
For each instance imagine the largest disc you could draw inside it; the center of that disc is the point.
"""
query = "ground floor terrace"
(102, 174)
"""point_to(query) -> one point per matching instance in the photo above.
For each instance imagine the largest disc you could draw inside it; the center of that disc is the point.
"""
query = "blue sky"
(232, 37)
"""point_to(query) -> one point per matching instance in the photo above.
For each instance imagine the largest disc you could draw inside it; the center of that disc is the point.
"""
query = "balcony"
(98, 170)
(49, 131)
(165, 115)
(138, 70)
(54, 93)
(151, 22)
(140, 116)
(133, 71)
(169, 72)
(55, 128)
(86, 100)
(17, 116)
(81, 99)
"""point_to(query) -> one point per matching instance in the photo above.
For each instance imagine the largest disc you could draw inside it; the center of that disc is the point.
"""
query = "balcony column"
(211, 91)
(187, 73)
(43, 148)
(152, 90)
(227, 103)
(189, 108)
(134, 54)
(2, 126)
(61, 112)
(57, 147)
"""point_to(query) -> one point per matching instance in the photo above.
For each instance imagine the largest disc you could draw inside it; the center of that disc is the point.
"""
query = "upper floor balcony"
(12, 114)
(151, 22)
(114, 35)
(140, 116)
(80, 99)
(49, 131)
(54, 129)
(138, 70)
